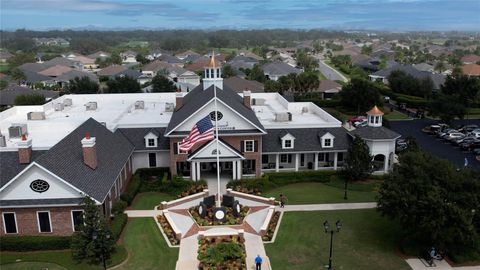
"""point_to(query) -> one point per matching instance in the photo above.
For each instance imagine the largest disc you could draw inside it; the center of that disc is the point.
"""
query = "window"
(151, 143)
(302, 160)
(10, 223)
(340, 156)
(180, 152)
(39, 185)
(288, 144)
(249, 146)
(264, 159)
(77, 219)
(321, 157)
(327, 143)
(152, 159)
(285, 158)
(377, 118)
(44, 224)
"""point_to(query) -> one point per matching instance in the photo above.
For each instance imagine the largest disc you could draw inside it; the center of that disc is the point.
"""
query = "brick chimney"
(24, 150)
(89, 151)
(178, 100)
(247, 99)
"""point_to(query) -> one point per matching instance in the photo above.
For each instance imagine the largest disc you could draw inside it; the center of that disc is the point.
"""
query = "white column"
(239, 169)
(277, 162)
(194, 170)
(335, 160)
(234, 170)
(316, 161)
(385, 167)
(198, 171)
(297, 159)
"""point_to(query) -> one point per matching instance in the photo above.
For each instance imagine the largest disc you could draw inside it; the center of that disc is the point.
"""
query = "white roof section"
(118, 111)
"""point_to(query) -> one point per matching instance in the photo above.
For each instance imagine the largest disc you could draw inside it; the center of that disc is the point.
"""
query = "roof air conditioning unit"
(17, 130)
(3, 141)
(289, 116)
(282, 117)
(258, 101)
(304, 109)
(67, 102)
(58, 106)
(139, 104)
(91, 106)
(36, 116)
(169, 107)
(104, 123)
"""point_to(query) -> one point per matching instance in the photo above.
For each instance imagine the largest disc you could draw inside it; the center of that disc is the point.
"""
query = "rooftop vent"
(67, 102)
(91, 106)
(36, 116)
(3, 142)
(169, 107)
(17, 130)
(283, 117)
(258, 101)
(304, 109)
(58, 106)
(139, 104)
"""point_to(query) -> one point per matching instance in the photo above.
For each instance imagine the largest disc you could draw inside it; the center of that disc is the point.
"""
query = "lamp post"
(345, 194)
(105, 235)
(326, 226)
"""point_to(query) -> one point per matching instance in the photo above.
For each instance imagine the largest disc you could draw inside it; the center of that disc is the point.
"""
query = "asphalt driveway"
(433, 145)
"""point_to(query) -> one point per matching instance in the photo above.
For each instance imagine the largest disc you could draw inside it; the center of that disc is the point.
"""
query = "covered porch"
(277, 162)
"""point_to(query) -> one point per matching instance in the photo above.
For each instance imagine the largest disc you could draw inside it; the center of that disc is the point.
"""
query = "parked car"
(470, 146)
(401, 145)
(468, 128)
(475, 134)
(466, 139)
(445, 132)
(362, 123)
(453, 135)
(356, 119)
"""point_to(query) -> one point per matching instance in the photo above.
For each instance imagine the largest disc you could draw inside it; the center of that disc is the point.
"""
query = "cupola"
(374, 117)
(213, 74)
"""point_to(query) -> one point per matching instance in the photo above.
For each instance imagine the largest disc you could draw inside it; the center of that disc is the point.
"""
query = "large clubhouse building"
(76, 145)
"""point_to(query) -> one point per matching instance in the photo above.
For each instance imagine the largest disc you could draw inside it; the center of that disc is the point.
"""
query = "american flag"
(202, 131)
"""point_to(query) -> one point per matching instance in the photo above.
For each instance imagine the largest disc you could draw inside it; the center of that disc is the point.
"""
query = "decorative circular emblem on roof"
(219, 115)
(39, 185)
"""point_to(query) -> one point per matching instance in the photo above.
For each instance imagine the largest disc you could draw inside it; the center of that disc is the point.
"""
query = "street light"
(326, 226)
(106, 236)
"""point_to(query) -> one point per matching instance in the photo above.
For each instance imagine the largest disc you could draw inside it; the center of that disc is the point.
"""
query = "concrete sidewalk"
(328, 206)
(416, 264)
(143, 213)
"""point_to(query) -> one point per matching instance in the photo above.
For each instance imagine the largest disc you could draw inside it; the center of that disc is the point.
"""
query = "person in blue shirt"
(258, 262)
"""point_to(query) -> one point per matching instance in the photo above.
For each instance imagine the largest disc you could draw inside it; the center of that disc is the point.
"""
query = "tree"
(228, 71)
(160, 83)
(94, 241)
(447, 108)
(358, 162)
(17, 75)
(307, 81)
(308, 63)
(435, 204)
(21, 58)
(141, 59)
(360, 95)
(403, 83)
(29, 99)
(256, 74)
(367, 50)
(123, 84)
(317, 46)
(272, 86)
(440, 67)
(82, 85)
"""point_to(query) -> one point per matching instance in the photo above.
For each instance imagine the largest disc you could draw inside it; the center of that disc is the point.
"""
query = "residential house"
(470, 59)
(172, 60)
(4, 56)
(471, 69)
(239, 85)
(328, 88)
(99, 55)
(111, 71)
(154, 54)
(51, 42)
(437, 79)
(423, 67)
(8, 95)
(185, 54)
(277, 69)
(129, 57)
(151, 69)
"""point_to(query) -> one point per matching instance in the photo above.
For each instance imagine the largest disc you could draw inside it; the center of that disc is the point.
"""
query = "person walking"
(258, 262)
(282, 201)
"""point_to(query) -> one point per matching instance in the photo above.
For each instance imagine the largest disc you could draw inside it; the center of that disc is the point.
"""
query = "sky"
(394, 15)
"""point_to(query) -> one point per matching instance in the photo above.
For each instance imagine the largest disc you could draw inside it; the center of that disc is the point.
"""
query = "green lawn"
(395, 115)
(310, 193)
(366, 242)
(147, 247)
(148, 200)
(4, 67)
(52, 260)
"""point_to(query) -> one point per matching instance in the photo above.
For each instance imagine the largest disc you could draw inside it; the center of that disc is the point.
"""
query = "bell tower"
(213, 74)
(374, 117)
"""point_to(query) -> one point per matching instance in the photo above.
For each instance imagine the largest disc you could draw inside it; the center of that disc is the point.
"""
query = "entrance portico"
(204, 160)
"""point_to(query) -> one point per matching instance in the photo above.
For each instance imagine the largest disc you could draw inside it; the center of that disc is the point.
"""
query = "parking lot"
(434, 145)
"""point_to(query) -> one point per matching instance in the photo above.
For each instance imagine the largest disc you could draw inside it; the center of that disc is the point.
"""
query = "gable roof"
(111, 70)
(280, 69)
(437, 79)
(10, 165)
(198, 97)
(55, 71)
(33, 77)
(156, 66)
(328, 86)
(471, 69)
(374, 133)
(136, 136)
(8, 95)
(239, 85)
(65, 159)
(34, 67)
(72, 74)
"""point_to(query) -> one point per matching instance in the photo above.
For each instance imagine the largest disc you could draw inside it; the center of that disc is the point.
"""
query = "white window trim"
(245, 146)
(4, 225)
(147, 142)
(71, 215)
(180, 152)
(49, 220)
(324, 144)
(291, 143)
(286, 162)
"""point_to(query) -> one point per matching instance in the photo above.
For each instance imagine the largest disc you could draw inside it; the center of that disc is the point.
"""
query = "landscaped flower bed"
(252, 191)
(167, 229)
(192, 190)
(271, 227)
(209, 220)
(215, 253)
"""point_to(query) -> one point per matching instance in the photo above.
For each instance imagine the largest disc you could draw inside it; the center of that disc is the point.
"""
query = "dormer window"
(151, 140)
(288, 141)
(327, 140)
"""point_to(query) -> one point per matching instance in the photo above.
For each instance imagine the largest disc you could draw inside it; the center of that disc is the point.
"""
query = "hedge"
(32, 243)
(146, 173)
(118, 207)
(117, 224)
(132, 189)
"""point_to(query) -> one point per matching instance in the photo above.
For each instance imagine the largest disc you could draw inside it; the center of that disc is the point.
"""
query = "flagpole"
(218, 152)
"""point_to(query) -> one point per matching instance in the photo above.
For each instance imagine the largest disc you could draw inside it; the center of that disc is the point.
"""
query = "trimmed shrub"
(119, 206)
(146, 173)
(32, 243)
(117, 224)
(132, 189)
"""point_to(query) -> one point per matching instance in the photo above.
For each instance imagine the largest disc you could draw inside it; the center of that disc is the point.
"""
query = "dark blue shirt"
(258, 259)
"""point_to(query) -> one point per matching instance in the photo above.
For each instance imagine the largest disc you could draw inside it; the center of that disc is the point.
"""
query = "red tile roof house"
(470, 59)
(471, 70)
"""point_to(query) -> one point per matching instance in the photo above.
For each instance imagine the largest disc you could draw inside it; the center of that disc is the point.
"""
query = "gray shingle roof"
(10, 166)
(198, 97)
(65, 159)
(33, 77)
(8, 95)
(280, 69)
(306, 139)
(374, 133)
(438, 79)
(72, 74)
(137, 137)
